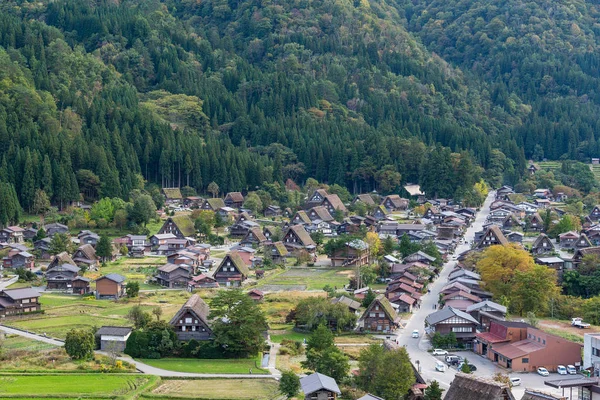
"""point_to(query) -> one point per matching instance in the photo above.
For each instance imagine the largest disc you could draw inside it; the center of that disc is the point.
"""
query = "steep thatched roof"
(197, 306)
(469, 387)
(172, 193)
(185, 224)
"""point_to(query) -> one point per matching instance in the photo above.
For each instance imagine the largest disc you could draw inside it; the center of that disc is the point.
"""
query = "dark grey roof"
(317, 381)
(347, 301)
(22, 293)
(113, 277)
(66, 267)
(81, 278)
(448, 312)
(573, 382)
(114, 330)
(488, 303)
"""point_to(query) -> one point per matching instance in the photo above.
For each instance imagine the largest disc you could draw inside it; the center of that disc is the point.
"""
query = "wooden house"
(213, 204)
(61, 258)
(234, 200)
(394, 202)
(42, 246)
(12, 234)
(467, 387)
(232, 271)
(319, 387)
(534, 223)
(595, 214)
(181, 226)
(353, 305)
(29, 233)
(272, 211)
(380, 212)
(316, 198)
(300, 218)
(174, 275)
(191, 321)
(18, 259)
(88, 237)
(380, 317)
(61, 277)
(354, 253)
(85, 255)
(583, 242)
(367, 199)
(19, 301)
(449, 319)
(254, 237)
(256, 295)
(404, 303)
(54, 228)
(332, 202)
(202, 281)
(492, 236)
(568, 240)
(192, 202)
(296, 238)
(319, 213)
(172, 195)
(542, 245)
(111, 286)
(277, 252)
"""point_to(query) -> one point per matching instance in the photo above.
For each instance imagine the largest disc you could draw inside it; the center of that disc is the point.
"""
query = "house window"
(462, 329)
(543, 341)
(188, 320)
(525, 360)
(372, 315)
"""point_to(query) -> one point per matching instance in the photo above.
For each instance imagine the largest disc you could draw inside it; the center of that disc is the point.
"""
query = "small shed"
(319, 386)
(113, 338)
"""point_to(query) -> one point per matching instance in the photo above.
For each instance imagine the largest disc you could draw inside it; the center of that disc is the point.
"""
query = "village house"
(256, 295)
(319, 387)
(460, 300)
(113, 338)
(174, 275)
(186, 257)
(354, 253)
(276, 252)
(538, 349)
(542, 245)
(296, 238)
(583, 242)
(62, 277)
(403, 303)
(191, 321)
(18, 259)
(54, 228)
(568, 240)
(181, 226)
(316, 199)
(172, 196)
(595, 214)
(85, 255)
(192, 202)
(60, 258)
(499, 333)
(88, 237)
(319, 213)
(136, 241)
(254, 237)
(19, 301)
(12, 234)
(300, 218)
(380, 316)
(380, 212)
(213, 204)
(353, 305)
(42, 247)
(202, 281)
(467, 387)
(111, 286)
(534, 223)
(556, 263)
(332, 202)
(270, 232)
(420, 256)
(492, 236)
(272, 211)
(580, 253)
(367, 199)
(227, 213)
(29, 233)
(234, 200)
(394, 202)
(158, 240)
(232, 271)
(243, 224)
(487, 311)
(448, 320)
(591, 352)
(515, 237)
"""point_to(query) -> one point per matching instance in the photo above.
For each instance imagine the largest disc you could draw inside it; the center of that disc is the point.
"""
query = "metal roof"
(22, 293)
(114, 331)
(317, 381)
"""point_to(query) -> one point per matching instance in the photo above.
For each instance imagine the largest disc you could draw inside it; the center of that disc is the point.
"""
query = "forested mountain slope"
(545, 53)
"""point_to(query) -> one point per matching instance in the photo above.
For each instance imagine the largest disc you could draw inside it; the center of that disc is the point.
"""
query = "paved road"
(6, 283)
(417, 348)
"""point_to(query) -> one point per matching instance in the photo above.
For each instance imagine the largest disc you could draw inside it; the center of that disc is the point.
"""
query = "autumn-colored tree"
(374, 243)
(498, 266)
(533, 289)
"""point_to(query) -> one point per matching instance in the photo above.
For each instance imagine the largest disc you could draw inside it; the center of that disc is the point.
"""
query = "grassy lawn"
(309, 278)
(16, 342)
(65, 312)
(70, 385)
(238, 389)
(290, 335)
(219, 366)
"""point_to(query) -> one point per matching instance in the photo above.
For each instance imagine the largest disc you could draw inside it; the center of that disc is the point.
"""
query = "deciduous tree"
(79, 344)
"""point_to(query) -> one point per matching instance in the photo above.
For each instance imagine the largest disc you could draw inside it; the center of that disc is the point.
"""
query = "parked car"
(471, 366)
(515, 381)
(415, 333)
(571, 369)
(543, 371)
(439, 352)
(453, 359)
(562, 370)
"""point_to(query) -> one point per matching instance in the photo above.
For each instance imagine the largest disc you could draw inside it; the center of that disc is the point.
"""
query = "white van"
(415, 333)
(571, 369)
(515, 381)
(440, 366)
(561, 370)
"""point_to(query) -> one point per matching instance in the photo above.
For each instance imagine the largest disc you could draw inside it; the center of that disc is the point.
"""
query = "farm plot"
(231, 389)
(71, 385)
(208, 366)
(307, 279)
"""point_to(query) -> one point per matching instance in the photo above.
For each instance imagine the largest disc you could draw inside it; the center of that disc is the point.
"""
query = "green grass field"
(64, 312)
(309, 278)
(15, 342)
(72, 385)
(204, 366)
(226, 389)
